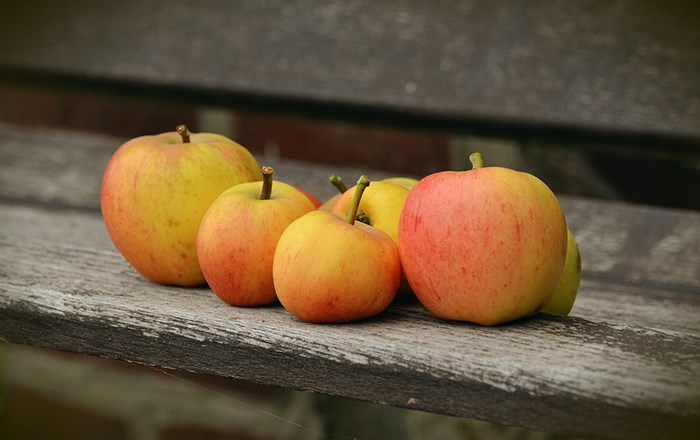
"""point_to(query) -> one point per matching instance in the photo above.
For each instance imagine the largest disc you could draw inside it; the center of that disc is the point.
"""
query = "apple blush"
(485, 245)
(238, 236)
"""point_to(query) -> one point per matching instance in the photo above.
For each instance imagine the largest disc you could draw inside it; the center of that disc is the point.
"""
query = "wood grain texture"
(631, 372)
(608, 68)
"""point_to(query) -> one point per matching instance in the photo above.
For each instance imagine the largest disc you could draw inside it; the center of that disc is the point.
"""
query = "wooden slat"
(598, 300)
(620, 68)
(590, 373)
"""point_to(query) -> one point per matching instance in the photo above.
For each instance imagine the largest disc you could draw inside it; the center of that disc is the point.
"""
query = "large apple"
(329, 268)
(564, 295)
(238, 236)
(485, 245)
(155, 191)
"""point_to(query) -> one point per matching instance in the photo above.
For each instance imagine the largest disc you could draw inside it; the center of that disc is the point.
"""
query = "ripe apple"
(562, 300)
(406, 182)
(485, 245)
(238, 236)
(329, 268)
(380, 207)
(155, 191)
(338, 183)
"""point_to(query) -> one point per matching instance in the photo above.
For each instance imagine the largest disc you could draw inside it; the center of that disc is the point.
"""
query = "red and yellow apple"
(239, 234)
(564, 295)
(486, 245)
(155, 191)
(329, 268)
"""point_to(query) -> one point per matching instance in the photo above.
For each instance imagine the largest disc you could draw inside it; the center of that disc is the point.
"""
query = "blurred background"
(630, 69)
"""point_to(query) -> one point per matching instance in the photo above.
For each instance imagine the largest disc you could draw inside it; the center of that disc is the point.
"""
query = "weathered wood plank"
(627, 243)
(598, 300)
(617, 68)
(622, 378)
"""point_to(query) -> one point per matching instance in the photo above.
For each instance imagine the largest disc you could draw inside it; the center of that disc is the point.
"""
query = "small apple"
(380, 207)
(485, 245)
(155, 191)
(338, 183)
(328, 268)
(562, 300)
(238, 236)
(406, 182)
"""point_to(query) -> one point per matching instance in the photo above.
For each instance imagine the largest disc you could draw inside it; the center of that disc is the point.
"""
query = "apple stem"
(362, 184)
(337, 181)
(266, 192)
(184, 132)
(476, 160)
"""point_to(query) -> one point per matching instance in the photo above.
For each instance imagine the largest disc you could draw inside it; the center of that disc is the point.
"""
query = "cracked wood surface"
(626, 363)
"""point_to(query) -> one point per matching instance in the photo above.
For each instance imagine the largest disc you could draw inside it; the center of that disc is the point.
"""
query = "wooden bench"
(625, 364)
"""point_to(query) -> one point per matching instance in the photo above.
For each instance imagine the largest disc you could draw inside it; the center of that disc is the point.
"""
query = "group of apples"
(487, 245)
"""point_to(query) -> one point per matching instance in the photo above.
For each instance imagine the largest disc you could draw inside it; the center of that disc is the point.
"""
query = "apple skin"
(562, 300)
(327, 270)
(406, 182)
(485, 245)
(330, 203)
(155, 191)
(238, 236)
(381, 203)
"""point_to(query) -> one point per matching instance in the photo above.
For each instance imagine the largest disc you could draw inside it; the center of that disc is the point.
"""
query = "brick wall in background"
(404, 152)
(103, 114)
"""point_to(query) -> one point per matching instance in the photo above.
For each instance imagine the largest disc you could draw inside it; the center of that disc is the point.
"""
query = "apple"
(486, 245)
(329, 268)
(562, 300)
(380, 207)
(155, 191)
(238, 235)
(338, 183)
(406, 182)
